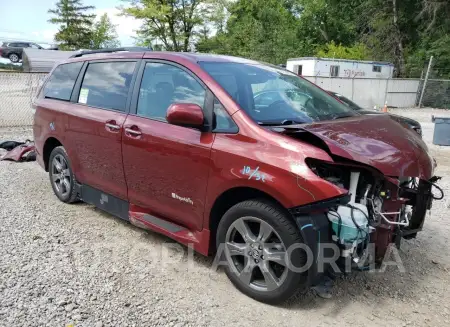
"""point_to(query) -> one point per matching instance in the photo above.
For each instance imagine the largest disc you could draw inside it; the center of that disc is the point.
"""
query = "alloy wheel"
(256, 254)
(61, 177)
(14, 58)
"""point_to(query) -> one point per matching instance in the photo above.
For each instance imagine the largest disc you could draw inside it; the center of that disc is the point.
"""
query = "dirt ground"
(72, 264)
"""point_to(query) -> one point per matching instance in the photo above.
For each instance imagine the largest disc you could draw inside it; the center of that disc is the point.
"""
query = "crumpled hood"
(377, 141)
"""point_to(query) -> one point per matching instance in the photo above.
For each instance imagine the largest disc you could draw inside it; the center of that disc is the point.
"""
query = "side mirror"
(185, 114)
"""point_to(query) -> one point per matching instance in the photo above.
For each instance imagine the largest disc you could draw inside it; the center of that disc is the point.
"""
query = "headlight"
(405, 123)
(417, 129)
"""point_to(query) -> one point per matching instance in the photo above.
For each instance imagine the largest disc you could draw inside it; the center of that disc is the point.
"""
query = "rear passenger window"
(61, 82)
(164, 84)
(106, 84)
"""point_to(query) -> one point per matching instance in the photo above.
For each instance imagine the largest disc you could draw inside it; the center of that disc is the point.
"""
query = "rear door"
(95, 124)
(53, 107)
(167, 166)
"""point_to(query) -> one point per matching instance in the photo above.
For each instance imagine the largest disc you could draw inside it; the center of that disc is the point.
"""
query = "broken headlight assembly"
(415, 127)
(376, 203)
(351, 222)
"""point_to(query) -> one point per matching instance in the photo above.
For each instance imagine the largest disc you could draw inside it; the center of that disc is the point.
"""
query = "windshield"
(274, 96)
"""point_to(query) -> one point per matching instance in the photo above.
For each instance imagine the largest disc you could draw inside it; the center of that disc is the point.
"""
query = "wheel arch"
(231, 197)
(49, 145)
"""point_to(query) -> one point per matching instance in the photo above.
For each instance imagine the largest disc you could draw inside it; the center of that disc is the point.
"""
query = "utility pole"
(425, 81)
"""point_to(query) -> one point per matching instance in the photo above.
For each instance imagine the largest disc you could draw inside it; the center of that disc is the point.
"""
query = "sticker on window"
(83, 96)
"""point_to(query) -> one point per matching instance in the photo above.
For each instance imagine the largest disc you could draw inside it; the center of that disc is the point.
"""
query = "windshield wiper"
(284, 122)
(339, 116)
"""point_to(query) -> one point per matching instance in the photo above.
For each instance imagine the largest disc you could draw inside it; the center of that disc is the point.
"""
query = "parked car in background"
(232, 157)
(407, 122)
(13, 50)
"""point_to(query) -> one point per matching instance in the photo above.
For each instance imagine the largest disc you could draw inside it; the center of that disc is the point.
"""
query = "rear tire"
(61, 176)
(256, 236)
(14, 57)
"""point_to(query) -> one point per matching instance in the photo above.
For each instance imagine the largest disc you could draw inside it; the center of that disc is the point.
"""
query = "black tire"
(14, 57)
(284, 228)
(66, 192)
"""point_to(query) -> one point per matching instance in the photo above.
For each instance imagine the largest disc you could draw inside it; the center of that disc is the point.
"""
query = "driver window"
(163, 85)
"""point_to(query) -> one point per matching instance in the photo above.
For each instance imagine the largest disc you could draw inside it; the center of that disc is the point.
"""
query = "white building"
(328, 67)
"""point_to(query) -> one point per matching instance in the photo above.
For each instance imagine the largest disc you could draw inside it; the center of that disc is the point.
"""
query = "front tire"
(256, 237)
(61, 176)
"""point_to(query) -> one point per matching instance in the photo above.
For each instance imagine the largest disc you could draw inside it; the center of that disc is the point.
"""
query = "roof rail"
(110, 50)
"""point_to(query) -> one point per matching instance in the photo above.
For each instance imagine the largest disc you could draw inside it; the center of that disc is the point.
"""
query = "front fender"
(279, 172)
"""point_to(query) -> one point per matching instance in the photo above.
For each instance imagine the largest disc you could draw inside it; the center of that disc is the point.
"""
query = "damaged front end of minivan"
(388, 176)
(379, 209)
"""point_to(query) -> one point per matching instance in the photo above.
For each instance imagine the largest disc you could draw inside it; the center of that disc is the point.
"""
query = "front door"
(95, 126)
(167, 166)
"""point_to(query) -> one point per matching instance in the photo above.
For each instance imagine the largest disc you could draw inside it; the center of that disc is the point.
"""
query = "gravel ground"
(64, 265)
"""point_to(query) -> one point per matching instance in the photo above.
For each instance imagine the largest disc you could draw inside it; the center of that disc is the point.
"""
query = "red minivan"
(232, 157)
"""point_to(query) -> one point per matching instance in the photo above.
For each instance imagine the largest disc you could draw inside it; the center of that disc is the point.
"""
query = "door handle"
(112, 126)
(133, 132)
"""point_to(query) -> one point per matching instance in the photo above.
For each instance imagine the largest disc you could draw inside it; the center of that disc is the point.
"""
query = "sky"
(27, 20)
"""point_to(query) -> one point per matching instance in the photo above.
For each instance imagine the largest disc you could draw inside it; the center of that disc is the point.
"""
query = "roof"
(42, 61)
(197, 57)
(192, 56)
(344, 60)
(82, 53)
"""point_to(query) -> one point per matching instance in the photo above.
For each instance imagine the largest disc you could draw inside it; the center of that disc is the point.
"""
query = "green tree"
(171, 22)
(104, 34)
(329, 20)
(433, 40)
(404, 32)
(203, 33)
(74, 24)
(332, 50)
(265, 30)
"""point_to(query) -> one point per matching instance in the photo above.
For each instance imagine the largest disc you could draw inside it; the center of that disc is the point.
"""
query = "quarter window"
(163, 85)
(222, 123)
(106, 84)
(62, 80)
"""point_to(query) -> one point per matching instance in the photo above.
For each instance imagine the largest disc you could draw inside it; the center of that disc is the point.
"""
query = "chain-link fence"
(435, 85)
(437, 93)
(16, 92)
